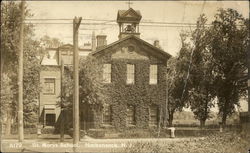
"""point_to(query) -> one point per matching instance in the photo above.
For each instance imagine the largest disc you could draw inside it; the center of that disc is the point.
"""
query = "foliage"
(140, 94)
(48, 42)
(176, 79)
(201, 73)
(10, 15)
(90, 87)
(7, 102)
(218, 60)
(228, 47)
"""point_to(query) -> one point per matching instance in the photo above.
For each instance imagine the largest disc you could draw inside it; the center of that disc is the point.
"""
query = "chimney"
(93, 41)
(157, 44)
(101, 40)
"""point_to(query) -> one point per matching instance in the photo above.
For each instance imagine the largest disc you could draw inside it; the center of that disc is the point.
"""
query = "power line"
(109, 22)
(101, 24)
(151, 22)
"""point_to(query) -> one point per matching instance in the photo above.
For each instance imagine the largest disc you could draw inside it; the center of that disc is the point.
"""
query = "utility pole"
(20, 78)
(166, 106)
(248, 81)
(62, 105)
(76, 127)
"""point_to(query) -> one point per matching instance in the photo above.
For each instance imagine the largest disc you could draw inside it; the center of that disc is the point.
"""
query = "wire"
(101, 24)
(151, 22)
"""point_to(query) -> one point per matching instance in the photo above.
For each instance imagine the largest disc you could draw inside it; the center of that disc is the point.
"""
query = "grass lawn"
(214, 143)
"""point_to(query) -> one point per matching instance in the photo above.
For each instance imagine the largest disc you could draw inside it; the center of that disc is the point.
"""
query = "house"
(50, 78)
(134, 73)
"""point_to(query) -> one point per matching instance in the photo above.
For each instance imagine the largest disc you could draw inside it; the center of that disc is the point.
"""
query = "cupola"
(128, 21)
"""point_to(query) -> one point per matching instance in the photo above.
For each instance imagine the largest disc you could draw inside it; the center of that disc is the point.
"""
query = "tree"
(91, 91)
(10, 15)
(176, 79)
(48, 42)
(229, 51)
(202, 92)
(7, 105)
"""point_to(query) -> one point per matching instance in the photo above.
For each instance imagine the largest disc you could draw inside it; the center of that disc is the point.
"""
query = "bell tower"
(128, 21)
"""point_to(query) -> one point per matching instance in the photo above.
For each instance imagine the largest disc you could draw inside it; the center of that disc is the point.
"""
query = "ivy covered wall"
(140, 94)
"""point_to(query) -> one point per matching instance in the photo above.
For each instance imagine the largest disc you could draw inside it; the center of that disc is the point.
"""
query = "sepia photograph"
(129, 76)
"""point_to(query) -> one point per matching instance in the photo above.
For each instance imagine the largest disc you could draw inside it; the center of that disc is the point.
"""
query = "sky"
(156, 11)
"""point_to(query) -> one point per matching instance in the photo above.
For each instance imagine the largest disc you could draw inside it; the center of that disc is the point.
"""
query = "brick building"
(134, 73)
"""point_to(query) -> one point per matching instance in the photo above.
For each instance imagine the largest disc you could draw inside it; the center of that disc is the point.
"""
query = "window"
(130, 114)
(130, 73)
(107, 73)
(107, 114)
(153, 74)
(50, 119)
(49, 86)
(153, 115)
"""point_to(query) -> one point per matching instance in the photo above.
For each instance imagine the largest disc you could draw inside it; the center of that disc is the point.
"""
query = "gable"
(143, 49)
(125, 52)
(129, 13)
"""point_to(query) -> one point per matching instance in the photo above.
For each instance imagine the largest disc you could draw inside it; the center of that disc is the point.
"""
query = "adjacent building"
(50, 78)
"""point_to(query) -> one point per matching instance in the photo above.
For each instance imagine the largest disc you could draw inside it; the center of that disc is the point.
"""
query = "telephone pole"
(62, 105)
(76, 128)
(166, 105)
(20, 78)
(248, 81)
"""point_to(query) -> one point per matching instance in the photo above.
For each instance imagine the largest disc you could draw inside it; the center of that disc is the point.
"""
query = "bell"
(129, 28)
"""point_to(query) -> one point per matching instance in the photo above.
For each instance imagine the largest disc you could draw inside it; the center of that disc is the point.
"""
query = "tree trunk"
(202, 123)
(8, 123)
(62, 126)
(224, 119)
(224, 114)
(170, 119)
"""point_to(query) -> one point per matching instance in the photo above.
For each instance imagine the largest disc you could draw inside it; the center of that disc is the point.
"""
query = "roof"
(129, 15)
(69, 46)
(136, 38)
(51, 57)
(122, 12)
